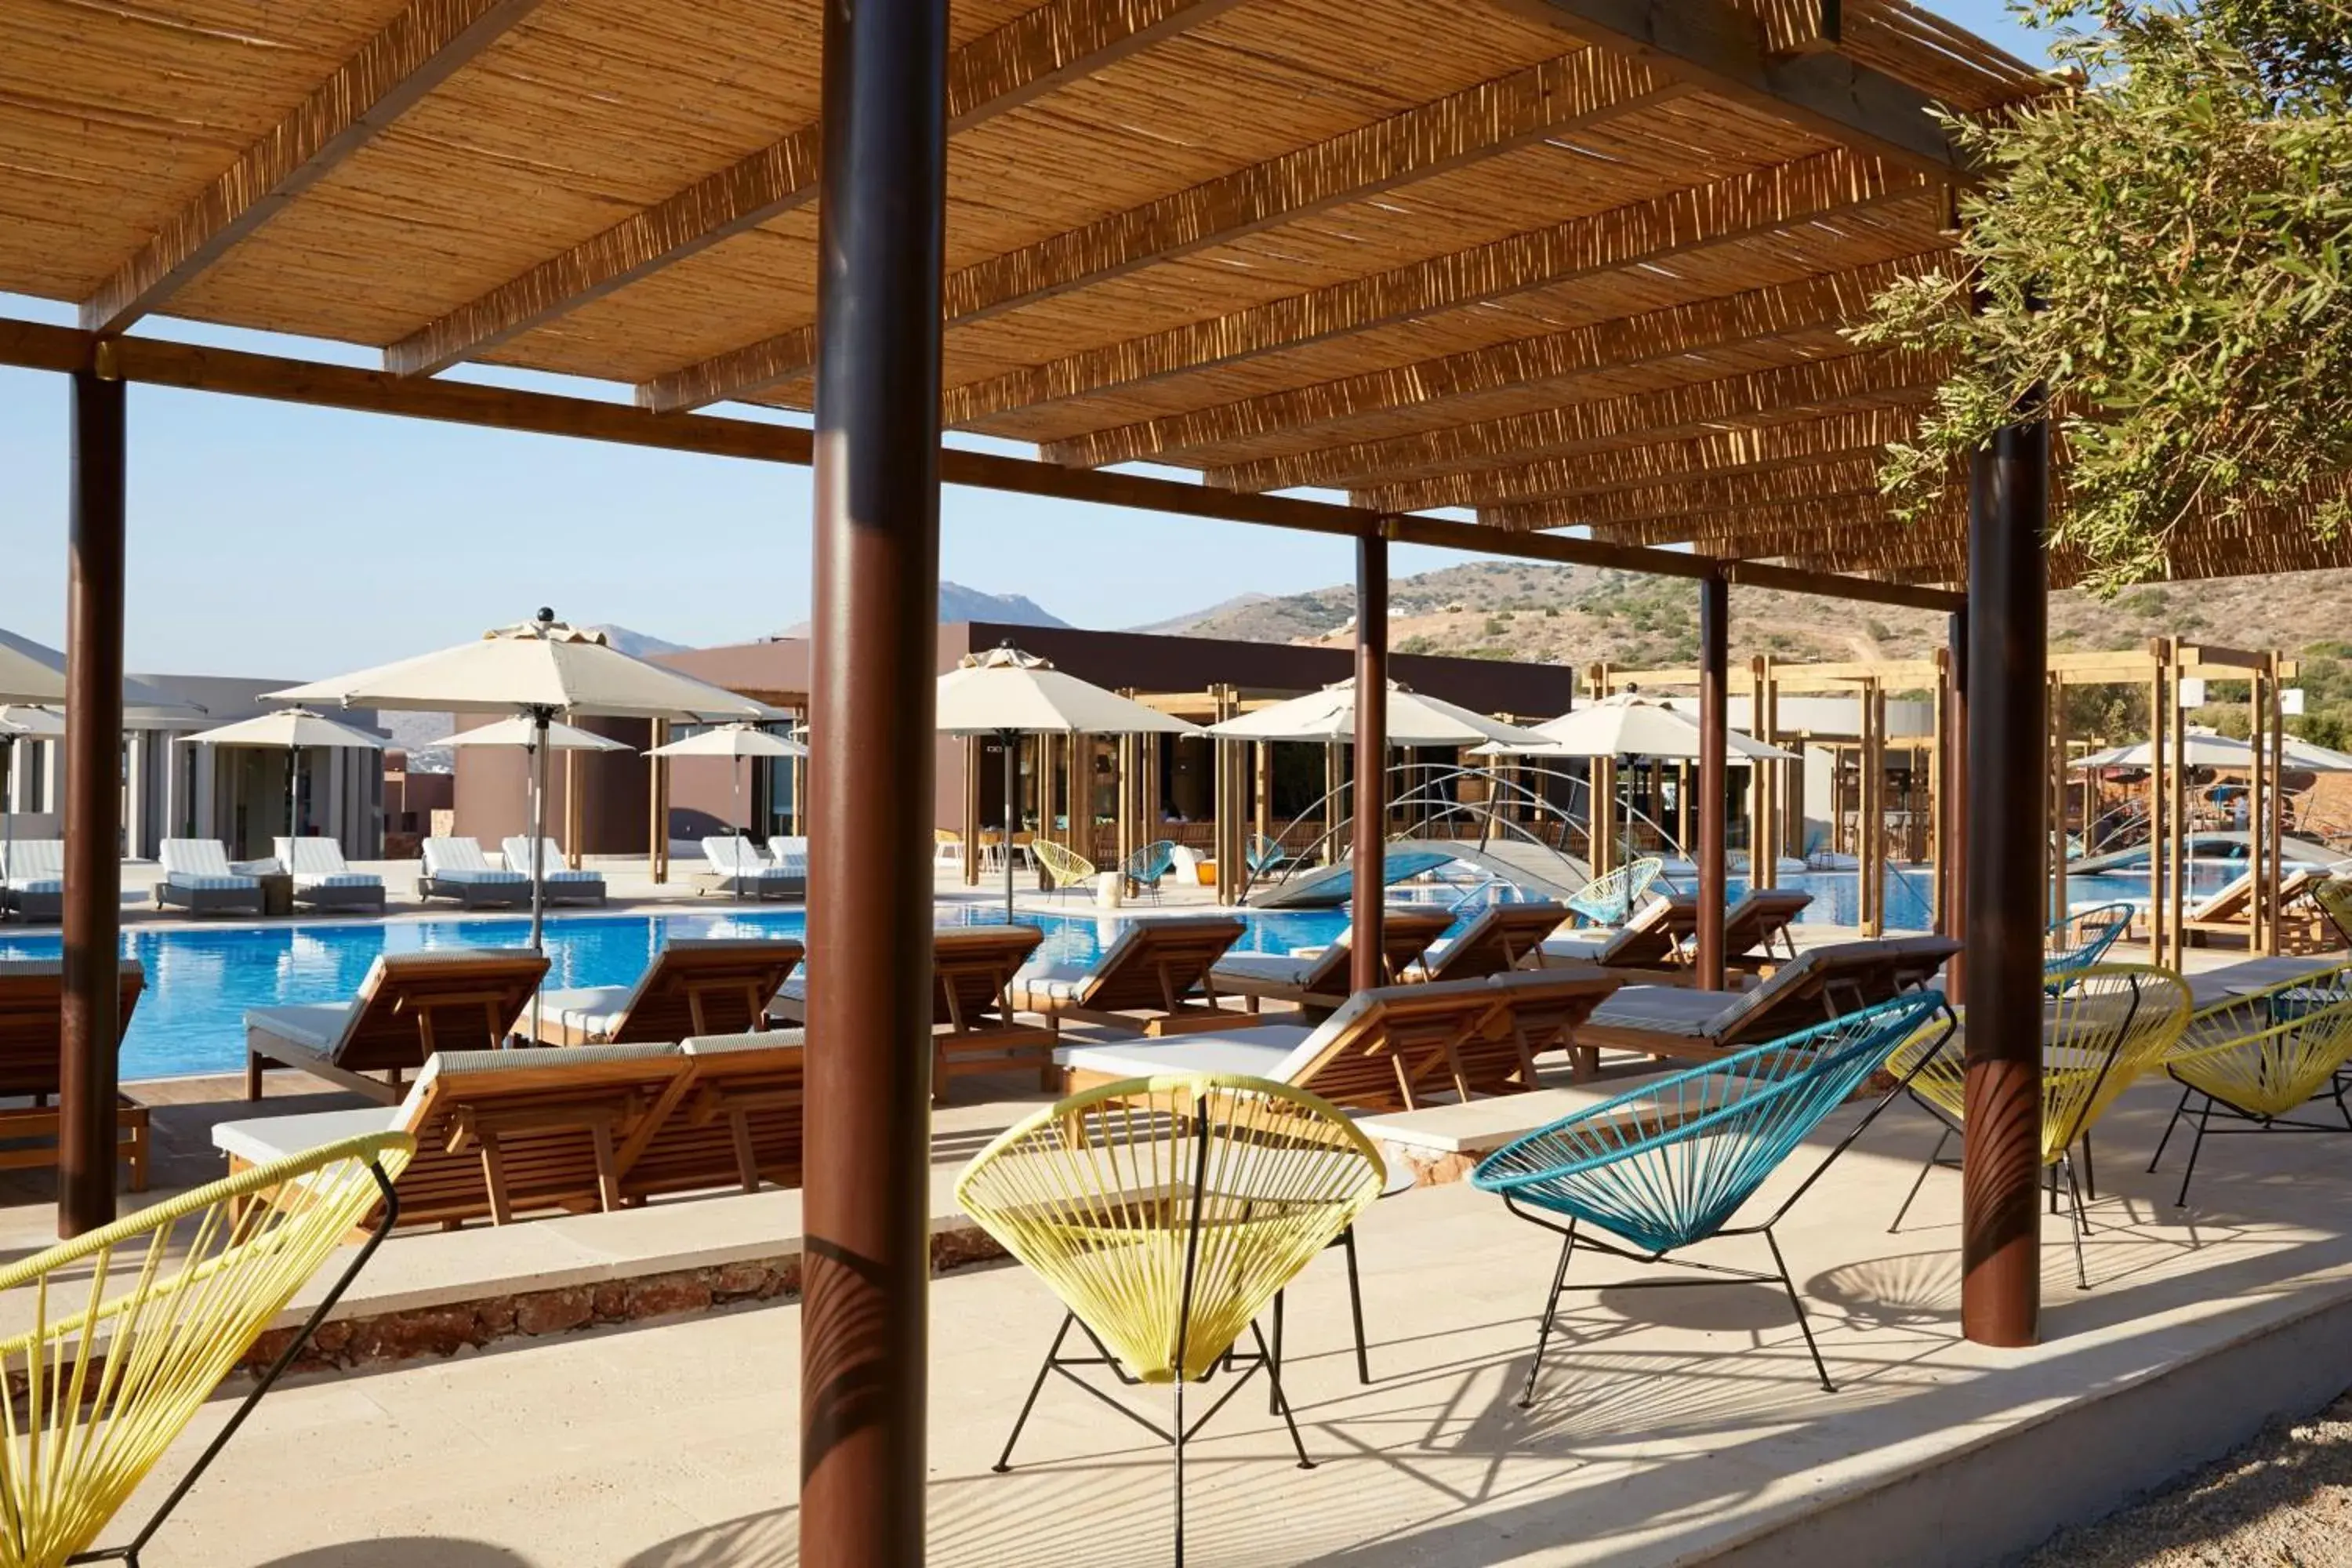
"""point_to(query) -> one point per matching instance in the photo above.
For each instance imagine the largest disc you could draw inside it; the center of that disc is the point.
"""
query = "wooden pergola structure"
(1572, 264)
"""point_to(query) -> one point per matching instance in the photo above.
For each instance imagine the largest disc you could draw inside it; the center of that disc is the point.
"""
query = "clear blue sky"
(270, 540)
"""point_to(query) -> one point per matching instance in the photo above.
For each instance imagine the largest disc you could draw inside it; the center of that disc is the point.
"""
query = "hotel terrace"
(569, 1265)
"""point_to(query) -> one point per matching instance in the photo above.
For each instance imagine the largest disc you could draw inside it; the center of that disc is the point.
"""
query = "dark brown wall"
(493, 789)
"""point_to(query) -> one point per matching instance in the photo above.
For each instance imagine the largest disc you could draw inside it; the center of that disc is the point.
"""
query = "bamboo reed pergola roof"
(1567, 263)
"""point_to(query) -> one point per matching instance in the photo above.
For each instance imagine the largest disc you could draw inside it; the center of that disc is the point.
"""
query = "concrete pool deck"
(1672, 1428)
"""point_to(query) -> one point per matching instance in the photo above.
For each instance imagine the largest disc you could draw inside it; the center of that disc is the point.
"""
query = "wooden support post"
(570, 810)
(1261, 790)
(1870, 820)
(91, 1018)
(1939, 819)
(1369, 886)
(2159, 758)
(2000, 1284)
(2259, 913)
(2058, 795)
(1714, 699)
(1764, 708)
(2273, 828)
(973, 756)
(865, 1197)
(1955, 781)
(2176, 811)
(1335, 803)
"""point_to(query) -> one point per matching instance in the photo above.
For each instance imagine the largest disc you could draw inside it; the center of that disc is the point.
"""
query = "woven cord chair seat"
(1114, 1196)
(1064, 866)
(1609, 900)
(134, 1326)
(1671, 1163)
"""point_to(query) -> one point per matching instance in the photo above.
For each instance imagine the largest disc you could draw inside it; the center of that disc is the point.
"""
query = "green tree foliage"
(2167, 250)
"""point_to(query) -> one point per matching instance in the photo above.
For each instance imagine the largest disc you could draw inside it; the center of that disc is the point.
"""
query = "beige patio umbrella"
(1007, 693)
(294, 730)
(538, 669)
(1630, 725)
(735, 742)
(1415, 718)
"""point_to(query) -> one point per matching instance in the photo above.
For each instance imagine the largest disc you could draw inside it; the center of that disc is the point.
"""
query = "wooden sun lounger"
(32, 1025)
(503, 1134)
(410, 1006)
(1145, 981)
(974, 1027)
(1390, 1048)
(2228, 911)
(1820, 983)
(1752, 925)
(1504, 937)
(695, 985)
(1647, 941)
(1321, 983)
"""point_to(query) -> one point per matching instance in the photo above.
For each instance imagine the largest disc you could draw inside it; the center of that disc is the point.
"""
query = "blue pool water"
(200, 980)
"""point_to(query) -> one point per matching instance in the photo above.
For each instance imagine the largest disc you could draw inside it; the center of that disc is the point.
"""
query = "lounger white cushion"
(266, 1138)
(594, 1010)
(1668, 1009)
(517, 850)
(462, 860)
(790, 856)
(1268, 968)
(735, 860)
(202, 866)
(1263, 1052)
(317, 1024)
(320, 863)
(35, 865)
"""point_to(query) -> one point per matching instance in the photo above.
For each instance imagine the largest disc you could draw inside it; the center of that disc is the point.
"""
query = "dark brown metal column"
(1370, 795)
(1714, 726)
(93, 809)
(867, 1172)
(2000, 1292)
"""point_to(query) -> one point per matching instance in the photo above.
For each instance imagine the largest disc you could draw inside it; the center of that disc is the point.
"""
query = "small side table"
(277, 893)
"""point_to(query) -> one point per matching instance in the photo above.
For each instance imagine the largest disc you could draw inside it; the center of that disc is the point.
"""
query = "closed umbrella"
(293, 730)
(734, 741)
(1007, 693)
(538, 669)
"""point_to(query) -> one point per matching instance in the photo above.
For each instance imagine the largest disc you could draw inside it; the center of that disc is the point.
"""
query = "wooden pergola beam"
(1721, 532)
(1728, 50)
(1577, 90)
(1760, 201)
(1725, 452)
(1852, 475)
(409, 56)
(196, 368)
(1032, 54)
(1808, 390)
(1758, 315)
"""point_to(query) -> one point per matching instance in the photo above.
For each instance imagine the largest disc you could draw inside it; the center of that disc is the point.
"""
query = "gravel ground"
(2283, 1500)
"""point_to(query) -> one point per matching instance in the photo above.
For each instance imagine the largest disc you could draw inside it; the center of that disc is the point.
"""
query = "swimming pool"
(201, 979)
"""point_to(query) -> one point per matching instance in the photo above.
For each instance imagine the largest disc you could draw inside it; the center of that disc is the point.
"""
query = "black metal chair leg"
(2080, 1226)
(1281, 1400)
(1356, 1306)
(2196, 1146)
(2090, 1173)
(2182, 1105)
(1551, 1305)
(1179, 1466)
(1274, 1384)
(1910, 1197)
(1797, 1305)
(1005, 1460)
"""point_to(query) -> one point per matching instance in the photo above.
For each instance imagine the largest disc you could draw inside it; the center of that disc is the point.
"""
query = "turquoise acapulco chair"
(1670, 1164)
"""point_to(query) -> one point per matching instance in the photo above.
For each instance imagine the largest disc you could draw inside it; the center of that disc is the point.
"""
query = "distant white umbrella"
(528, 735)
(292, 731)
(1007, 693)
(24, 679)
(540, 669)
(733, 741)
(2204, 748)
(1415, 718)
(1630, 725)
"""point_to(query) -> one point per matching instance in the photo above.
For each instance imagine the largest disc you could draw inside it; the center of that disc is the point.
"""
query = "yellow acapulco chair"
(1064, 867)
(2257, 1059)
(2102, 1026)
(1167, 1213)
(135, 1325)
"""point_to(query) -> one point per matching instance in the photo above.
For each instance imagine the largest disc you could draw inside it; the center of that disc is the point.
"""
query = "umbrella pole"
(1012, 815)
(293, 802)
(538, 854)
